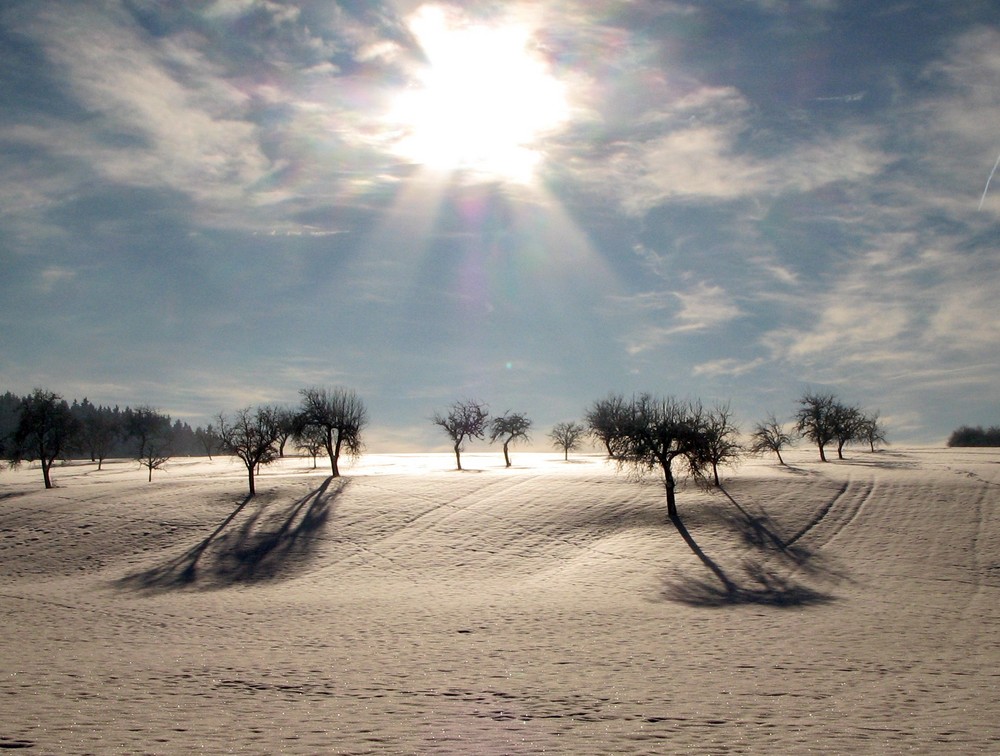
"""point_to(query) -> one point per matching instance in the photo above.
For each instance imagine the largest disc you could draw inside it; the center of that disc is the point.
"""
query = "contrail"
(983, 198)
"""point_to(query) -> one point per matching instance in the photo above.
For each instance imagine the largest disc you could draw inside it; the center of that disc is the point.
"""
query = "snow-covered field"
(851, 607)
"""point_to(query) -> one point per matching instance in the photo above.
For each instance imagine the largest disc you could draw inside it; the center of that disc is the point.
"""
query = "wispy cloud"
(660, 316)
(700, 146)
(728, 366)
(53, 276)
(897, 309)
(201, 202)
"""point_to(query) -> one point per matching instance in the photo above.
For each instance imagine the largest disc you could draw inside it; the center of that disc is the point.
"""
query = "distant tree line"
(641, 434)
(43, 427)
(649, 433)
(977, 436)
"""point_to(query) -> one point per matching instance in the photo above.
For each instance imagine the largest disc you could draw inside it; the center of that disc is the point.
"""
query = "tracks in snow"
(842, 510)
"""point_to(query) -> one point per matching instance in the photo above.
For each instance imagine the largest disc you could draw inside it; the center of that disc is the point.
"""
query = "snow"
(550, 607)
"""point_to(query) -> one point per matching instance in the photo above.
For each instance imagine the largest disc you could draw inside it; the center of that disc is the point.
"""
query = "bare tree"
(152, 434)
(847, 426)
(604, 421)
(872, 431)
(511, 427)
(465, 420)
(46, 430)
(815, 420)
(100, 431)
(720, 443)
(769, 436)
(288, 422)
(207, 438)
(156, 454)
(341, 415)
(251, 435)
(312, 439)
(567, 436)
(656, 432)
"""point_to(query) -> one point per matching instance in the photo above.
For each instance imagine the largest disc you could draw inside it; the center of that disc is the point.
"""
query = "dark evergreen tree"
(967, 435)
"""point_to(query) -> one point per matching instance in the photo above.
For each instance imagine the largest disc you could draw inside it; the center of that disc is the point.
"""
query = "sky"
(212, 204)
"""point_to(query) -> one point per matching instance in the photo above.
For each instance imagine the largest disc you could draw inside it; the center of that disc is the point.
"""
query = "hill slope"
(550, 607)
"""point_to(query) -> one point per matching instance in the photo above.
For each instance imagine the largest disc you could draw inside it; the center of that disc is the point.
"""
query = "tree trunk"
(458, 457)
(335, 459)
(331, 453)
(253, 488)
(840, 450)
(715, 474)
(778, 452)
(671, 501)
(45, 472)
(822, 454)
(150, 478)
(668, 481)
(506, 457)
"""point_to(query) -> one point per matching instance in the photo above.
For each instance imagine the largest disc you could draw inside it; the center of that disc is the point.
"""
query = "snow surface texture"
(849, 607)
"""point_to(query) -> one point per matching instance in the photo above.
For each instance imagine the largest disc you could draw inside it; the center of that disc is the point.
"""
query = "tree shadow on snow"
(881, 459)
(269, 544)
(765, 579)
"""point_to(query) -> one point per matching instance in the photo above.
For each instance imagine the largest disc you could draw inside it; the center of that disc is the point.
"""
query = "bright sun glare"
(483, 101)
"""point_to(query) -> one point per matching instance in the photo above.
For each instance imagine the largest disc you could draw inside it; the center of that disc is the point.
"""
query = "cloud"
(738, 204)
(911, 306)
(705, 306)
(701, 146)
(699, 307)
(238, 108)
(53, 276)
(728, 366)
(154, 118)
(955, 124)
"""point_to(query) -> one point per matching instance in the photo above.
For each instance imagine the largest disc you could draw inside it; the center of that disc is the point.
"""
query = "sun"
(483, 101)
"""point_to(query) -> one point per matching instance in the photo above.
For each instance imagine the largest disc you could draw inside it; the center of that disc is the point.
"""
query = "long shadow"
(797, 470)
(756, 583)
(254, 554)
(760, 531)
(882, 460)
(180, 571)
(248, 554)
(729, 588)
